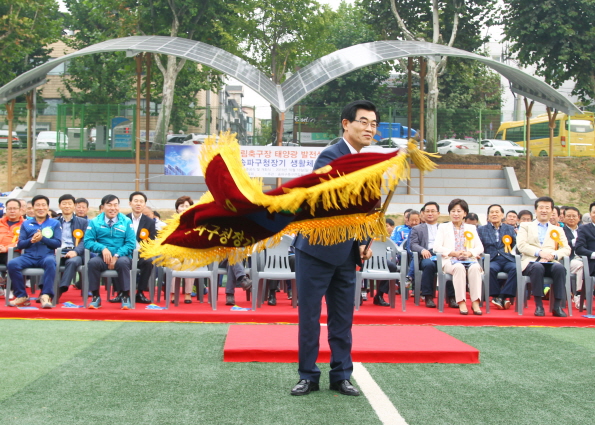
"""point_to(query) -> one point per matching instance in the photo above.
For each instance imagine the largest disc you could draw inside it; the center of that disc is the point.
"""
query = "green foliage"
(475, 15)
(345, 28)
(557, 37)
(26, 27)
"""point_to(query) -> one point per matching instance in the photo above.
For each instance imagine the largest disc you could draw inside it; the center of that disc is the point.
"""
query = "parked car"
(47, 140)
(497, 147)
(16, 142)
(176, 139)
(195, 139)
(458, 146)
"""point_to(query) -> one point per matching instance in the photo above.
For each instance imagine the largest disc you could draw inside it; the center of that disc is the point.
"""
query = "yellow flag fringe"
(352, 189)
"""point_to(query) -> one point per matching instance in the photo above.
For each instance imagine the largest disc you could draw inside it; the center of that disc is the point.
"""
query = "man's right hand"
(426, 254)
(107, 256)
(3, 249)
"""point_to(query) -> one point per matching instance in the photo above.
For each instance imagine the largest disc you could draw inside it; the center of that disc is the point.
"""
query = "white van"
(48, 139)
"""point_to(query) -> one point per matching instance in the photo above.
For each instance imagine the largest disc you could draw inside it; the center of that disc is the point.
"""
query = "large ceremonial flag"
(235, 218)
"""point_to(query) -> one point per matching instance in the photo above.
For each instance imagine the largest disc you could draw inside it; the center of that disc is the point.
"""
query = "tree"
(438, 21)
(205, 20)
(277, 34)
(557, 37)
(26, 26)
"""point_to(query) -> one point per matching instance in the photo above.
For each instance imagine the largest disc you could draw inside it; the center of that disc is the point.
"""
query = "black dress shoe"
(378, 300)
(272, 298)
(230, 300)
(304, 387)
(62, 289)
(452, 302)
(539, 311)
(140, 298)
(430, 302)
(498, 303)
(558, 312)
(344, 387)
(117, 299)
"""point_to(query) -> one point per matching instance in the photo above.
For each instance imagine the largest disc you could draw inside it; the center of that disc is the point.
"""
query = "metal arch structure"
(306, 80)
(195, 51)
(343, 61)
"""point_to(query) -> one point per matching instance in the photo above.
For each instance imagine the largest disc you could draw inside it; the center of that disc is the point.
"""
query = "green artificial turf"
(526, 376)
(156, 373)
(63, 372)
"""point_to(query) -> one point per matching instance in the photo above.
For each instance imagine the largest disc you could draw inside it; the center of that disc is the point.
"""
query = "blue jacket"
(400, 234)
(119, 239)
(493, 245)
(51, 237)
(77, 224)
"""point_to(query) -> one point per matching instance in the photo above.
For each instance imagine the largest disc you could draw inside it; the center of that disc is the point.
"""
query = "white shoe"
(28, 283)
(365, 296)
(11, 296)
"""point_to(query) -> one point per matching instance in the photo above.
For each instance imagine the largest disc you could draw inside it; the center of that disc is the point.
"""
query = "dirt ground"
(574, 177)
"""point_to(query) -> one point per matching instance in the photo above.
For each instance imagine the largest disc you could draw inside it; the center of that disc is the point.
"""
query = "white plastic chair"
(376, 268)
(206, 272)
(274, 266)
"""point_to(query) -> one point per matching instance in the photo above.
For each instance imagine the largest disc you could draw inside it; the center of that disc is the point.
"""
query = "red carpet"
(369, 314)
(371, 344)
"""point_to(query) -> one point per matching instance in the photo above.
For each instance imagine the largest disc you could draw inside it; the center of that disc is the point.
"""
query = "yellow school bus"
(574, 137)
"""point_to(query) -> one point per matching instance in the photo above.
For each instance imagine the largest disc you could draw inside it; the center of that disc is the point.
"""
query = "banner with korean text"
(259, 161)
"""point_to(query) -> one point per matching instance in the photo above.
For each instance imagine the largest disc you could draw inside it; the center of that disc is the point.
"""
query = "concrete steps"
(480, 187)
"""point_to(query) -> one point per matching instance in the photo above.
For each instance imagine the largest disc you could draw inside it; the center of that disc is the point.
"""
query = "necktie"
(110, 223)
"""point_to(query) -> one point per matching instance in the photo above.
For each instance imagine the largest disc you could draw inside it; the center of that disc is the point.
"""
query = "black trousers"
(537, 271)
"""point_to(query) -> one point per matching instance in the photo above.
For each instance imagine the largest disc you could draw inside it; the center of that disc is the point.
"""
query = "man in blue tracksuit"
(111, 236)
(40, 236)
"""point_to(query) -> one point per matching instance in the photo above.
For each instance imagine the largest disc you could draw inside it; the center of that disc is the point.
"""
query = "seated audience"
(492, 236)
(39, 237)
(81, 208)
(73, 245)
(571, 219)
(422, 240)
(512, 219)
(390, 226)
(585, 242)
(401, 233)
(110, 235)
(472, 218)
(236, 276)
(458, 242)
(555, 217)
(525, 216)
(144, 228)
(541, 254)
(10, 225)
(181, 205)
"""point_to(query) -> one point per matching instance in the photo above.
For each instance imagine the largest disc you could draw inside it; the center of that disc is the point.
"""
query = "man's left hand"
(367, 255)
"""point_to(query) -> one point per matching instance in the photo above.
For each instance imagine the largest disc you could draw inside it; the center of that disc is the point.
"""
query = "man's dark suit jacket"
(77, 224)
(334, 254)
(493, 245)
(571, 240)
(585, 244)
(145, 223)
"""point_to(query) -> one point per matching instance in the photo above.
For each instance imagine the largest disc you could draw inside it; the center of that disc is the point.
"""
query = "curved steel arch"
(338, 63)
(195, 51)
(303, 82)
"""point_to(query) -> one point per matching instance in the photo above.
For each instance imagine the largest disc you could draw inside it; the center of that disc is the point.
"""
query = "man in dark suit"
(572, 217)
(585, 241)
(491, 236)
(330, 271)
(73, 245)
(421, 240)
(144, 228)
